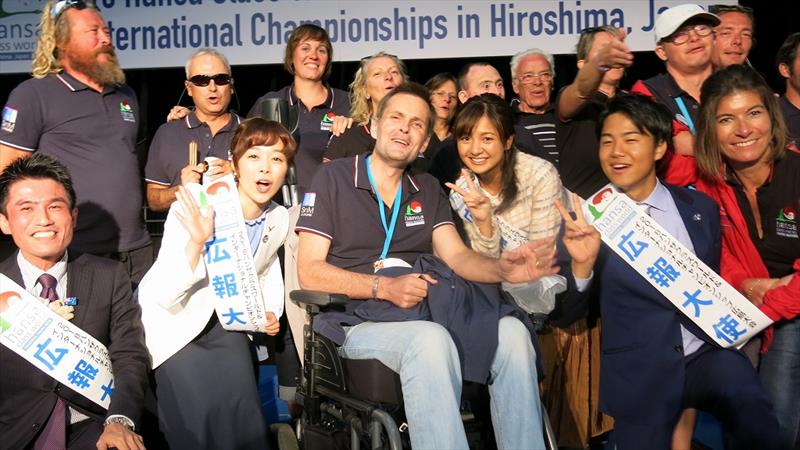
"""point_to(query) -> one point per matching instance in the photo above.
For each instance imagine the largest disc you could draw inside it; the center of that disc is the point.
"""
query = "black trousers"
(724, 384)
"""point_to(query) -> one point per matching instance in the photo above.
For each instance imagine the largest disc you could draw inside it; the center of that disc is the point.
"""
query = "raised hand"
(529, 262)
(615, 54)
(581, 240)
(198, 222)
(477, 203)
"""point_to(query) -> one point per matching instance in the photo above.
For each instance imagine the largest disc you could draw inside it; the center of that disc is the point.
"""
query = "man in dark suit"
(37, 208)
(655, 360)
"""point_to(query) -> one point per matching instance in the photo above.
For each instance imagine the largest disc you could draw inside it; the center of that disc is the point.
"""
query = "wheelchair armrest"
(318, 298)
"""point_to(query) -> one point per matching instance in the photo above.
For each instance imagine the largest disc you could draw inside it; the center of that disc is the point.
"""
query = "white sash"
(538, 297)
(698, 292)
(53, 344)
(229, 259)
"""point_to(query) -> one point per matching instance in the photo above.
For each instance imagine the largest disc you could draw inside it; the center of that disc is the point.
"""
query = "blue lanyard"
(395, 210)
(685, 113)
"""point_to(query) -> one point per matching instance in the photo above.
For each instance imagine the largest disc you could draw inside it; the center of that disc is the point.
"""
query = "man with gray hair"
(532, 73)
(77, 109)
(210, 127)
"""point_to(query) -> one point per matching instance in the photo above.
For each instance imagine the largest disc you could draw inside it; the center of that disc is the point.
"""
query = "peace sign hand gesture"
(581, 239)
(477, 203)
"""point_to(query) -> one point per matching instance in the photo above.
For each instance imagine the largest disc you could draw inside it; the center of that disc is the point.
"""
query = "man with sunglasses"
(684, 41)
(77, 109)
(733, 36)
(211, 126)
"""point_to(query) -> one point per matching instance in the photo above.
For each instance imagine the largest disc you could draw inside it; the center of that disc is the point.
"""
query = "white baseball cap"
(670, 20)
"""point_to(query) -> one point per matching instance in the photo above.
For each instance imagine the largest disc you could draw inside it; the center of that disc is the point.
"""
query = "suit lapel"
(694, 221)
(79, 284)
(10, 269)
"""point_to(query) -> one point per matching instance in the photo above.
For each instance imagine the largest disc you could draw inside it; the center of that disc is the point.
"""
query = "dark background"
(159, 89)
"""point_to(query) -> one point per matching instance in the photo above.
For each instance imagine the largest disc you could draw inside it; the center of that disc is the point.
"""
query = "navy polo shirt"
(94, 135)
(342, 207)
(314, 125)
(579, 146)
(791, 114)
(354, 141)
(779, 206)
(169, 151)
(666, 91)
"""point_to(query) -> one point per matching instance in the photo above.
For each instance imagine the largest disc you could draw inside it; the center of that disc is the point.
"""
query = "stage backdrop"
(161, 33)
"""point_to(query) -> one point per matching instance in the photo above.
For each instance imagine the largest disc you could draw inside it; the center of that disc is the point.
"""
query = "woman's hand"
(581, 240)
(755, 288)
(478, 204)
(340, 125)
(178, 113)
(198, 222)
(273, 325)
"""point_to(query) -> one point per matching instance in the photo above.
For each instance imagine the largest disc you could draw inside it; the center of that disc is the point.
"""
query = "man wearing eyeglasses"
(77, 109)
(684, 41)
(211, 126)
(532, 73)
(733, 36)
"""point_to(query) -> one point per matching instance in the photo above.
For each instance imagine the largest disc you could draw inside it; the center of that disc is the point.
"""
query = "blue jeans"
(427, 360)
(780, 373)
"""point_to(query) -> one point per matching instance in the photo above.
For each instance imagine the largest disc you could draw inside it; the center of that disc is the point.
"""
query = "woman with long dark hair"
(745, 163)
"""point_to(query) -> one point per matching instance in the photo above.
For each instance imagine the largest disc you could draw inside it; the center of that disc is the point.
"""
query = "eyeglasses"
(220, 79)
(682, 35)
(64, 5)
(443, 95)
(528, 78)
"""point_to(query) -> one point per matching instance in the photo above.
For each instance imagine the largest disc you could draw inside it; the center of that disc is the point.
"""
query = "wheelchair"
(348, 403)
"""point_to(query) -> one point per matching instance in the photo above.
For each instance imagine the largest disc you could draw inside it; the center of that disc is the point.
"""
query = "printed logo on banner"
(785, 223)
(414, 214)
(307, 207)
(9, 119)
(327, 121)
(5, 304)
(126, 111)
(600, 202)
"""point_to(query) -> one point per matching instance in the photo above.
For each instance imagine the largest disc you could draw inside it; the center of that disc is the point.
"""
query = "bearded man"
(77, 109)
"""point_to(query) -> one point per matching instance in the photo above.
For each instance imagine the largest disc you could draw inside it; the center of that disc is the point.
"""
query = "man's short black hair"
(788, 51)
(648, 116)
(37, 167)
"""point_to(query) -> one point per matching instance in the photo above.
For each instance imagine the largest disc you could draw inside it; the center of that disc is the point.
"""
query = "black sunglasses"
(220, 79)
(64, 5)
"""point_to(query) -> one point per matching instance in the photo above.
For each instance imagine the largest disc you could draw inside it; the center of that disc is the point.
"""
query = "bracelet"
(375, 282)
(751, 289)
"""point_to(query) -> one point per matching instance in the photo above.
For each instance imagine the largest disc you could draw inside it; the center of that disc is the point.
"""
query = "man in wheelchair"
(368, 218)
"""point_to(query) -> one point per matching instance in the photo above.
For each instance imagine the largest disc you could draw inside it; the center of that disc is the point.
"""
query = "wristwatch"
(122, 420)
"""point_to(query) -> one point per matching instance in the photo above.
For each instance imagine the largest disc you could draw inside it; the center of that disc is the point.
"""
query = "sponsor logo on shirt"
(785, 223)
(126, 111)
(9, 119)
(327, 121)
(307, 206)
(414, 214)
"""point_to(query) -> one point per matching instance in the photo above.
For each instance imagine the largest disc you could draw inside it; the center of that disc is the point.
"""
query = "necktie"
(54, 434)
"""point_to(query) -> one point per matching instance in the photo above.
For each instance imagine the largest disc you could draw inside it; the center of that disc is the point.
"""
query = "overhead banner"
(162, 33)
